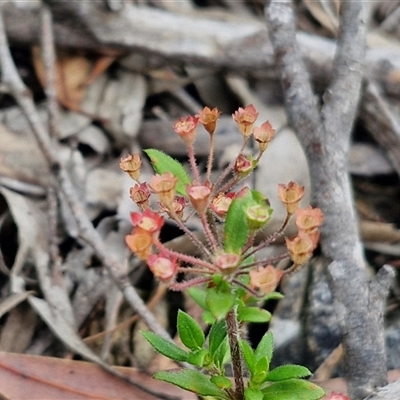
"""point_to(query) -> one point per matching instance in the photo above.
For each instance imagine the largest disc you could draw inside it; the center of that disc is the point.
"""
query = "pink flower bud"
(186, 129)
(245, 118)
(227, 262)
(263, 135)
(199, 196)
(140, 243)
(162, 267)
(140, 195)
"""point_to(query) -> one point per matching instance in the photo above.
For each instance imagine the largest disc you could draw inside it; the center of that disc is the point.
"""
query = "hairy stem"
(233, 336)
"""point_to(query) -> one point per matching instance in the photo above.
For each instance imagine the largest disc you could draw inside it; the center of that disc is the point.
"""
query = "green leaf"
(208, 318)
(236, 231)
(222, 354)
(199, 296)
(219, 302)
(217, 335)
(197, 357)
(284, 372)
(165, 347)
(293, 389)
(266, 346)
(221, 381)
(248, 355)
(253, 314)
(164, 163)
(253, 394)
(189, 331)
(191, 380)
(274, 296)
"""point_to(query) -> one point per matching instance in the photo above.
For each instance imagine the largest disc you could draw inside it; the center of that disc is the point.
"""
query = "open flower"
(265, 279)
(140, 243)
(309, 220)
(209, 118)
(140, 194)
(164, 186)
(162, 266)
(148, 221)
(245, 118)
(263, 135)
(186, 129)
(227, 262)
(300, 248)
(220, 204)
(199, 196)
(290, 195)
(131, 164)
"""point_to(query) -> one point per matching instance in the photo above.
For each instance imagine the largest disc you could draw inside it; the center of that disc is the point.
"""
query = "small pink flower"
(199, 196)
(220, 204)
(162, 267)
(243, 165)
(290, 195)
(131, 164)
(209, 118)
(309, 218)
(186, 128)
(148, 220)
(140, 243)
(164, 186)
(227, 262)
(265, 279)
(300, 248)
(263, 135)
(245, 118)
(140, 195)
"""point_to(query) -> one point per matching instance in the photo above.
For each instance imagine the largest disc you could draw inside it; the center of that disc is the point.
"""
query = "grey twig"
(325, 134)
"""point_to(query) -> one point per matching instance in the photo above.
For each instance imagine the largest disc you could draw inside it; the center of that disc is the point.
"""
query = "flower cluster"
(230, 218)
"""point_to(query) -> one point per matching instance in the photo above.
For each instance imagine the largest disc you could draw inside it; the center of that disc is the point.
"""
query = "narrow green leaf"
(236, 231)
(216, 336)
(262, 365)
(189, 331)
(191, 380)
(162, 162)
(274, 296)
(266, 346)
(293, 389)
(284, 372)
(222, 354)
(165, 347)
(197, 357)
(221, 381)
(248, 355)
(219, 302)
(253, 314)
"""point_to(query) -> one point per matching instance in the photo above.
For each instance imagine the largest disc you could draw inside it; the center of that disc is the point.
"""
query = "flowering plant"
(228, 278)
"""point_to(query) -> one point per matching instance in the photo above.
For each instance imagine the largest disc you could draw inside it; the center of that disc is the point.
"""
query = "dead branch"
(325, 135)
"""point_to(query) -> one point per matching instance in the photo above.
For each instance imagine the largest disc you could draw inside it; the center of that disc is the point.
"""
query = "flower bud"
(220, 204)
(290, 195)
(244, 165)
(131, 164)
(199, 196)
(162, 267)
(245, 118)
(227, 262)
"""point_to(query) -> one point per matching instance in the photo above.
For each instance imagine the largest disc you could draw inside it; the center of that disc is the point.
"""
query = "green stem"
(233, 336)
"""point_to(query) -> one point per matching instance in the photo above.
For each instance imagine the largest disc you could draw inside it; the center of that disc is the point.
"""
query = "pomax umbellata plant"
(229, 279)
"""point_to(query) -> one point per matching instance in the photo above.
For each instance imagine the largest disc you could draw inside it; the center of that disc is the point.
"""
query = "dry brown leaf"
(34, 377)
(74, 72)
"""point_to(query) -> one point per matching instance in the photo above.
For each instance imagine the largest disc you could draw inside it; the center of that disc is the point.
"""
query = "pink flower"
(162, 267)
(131, 164)
(243, 165)
(263, 135)
(300, 248)
(209, 118)
(186, 129)
(164, 186)
(140, 195)
(265, 279)
(290, 195)
(245, 118)
(199, 196)
(140, 243)
(227, 262)
(148, 221)
(220, 204)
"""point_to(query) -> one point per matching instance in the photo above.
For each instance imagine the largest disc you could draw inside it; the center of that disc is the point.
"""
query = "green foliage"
(162, 162)
(293, 389)
(165, 347)
(190, 332)
(284, 372)
(194, 381)
(253, 314)
(219, 302)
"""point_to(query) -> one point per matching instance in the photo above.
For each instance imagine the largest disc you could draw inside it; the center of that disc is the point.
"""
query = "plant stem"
(233, 336)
